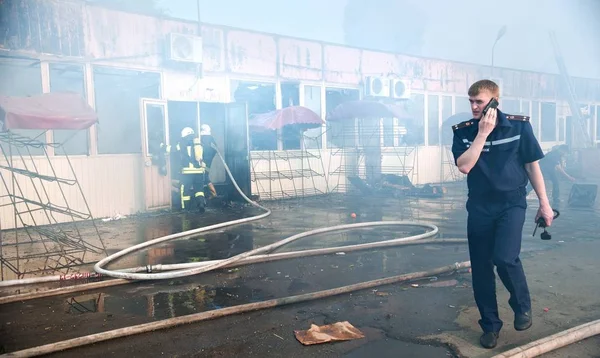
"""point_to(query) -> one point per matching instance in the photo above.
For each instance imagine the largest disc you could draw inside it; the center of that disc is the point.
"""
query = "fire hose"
(180, 270)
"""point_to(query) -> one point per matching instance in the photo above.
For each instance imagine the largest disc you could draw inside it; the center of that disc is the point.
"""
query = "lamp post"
(501, 33)
(199, 18)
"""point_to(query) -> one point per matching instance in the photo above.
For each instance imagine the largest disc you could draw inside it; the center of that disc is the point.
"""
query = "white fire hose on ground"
(180, 270)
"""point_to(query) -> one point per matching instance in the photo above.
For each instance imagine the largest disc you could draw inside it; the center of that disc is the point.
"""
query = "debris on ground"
(448, 283)
(114, 218)
(382, 294)
(340, 331)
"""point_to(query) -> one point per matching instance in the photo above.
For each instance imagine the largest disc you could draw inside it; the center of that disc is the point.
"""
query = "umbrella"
(367, 109)
(295, 115)
(56, 110)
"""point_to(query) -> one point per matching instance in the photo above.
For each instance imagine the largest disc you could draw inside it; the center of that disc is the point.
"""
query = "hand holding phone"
(488, 118)
(493, 103)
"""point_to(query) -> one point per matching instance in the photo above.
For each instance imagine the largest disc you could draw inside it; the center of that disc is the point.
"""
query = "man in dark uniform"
(499, 154)
(552, 166)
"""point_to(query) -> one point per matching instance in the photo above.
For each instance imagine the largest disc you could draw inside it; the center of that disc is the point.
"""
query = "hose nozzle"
(541, 222)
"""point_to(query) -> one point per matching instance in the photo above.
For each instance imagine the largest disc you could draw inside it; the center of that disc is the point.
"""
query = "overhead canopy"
(296, 115)
(367, 109)
(59, 110)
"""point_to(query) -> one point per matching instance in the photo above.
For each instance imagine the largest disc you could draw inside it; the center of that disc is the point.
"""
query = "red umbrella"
(367, 109)
(56, 110)
(296, 115)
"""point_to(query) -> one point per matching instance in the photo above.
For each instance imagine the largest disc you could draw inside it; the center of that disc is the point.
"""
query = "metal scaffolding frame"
(290, 173)
(39, 241)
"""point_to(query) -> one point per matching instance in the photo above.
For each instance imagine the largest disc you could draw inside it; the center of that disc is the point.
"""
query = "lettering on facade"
(183, 87)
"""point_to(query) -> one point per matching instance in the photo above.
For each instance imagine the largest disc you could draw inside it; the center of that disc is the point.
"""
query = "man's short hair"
(484, 85)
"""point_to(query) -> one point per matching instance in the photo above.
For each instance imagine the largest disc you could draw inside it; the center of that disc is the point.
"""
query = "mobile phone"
(492, 104)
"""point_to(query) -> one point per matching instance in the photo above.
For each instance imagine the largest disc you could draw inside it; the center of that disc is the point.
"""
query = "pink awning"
(59, 110)
(296, 115)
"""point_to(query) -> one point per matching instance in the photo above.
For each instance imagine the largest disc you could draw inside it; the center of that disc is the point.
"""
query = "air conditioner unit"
(400, 89)
(185, 48)
(377, 87)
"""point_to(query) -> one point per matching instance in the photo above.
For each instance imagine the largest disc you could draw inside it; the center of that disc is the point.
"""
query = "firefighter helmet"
(205, 129)
(186, 132)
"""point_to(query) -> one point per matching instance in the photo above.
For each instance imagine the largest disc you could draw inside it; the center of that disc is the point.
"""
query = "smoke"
(465, 30)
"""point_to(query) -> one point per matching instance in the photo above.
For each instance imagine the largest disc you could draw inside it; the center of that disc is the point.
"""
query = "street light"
(501, 33)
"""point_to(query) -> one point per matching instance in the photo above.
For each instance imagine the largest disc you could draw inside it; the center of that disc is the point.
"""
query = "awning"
(296, 115)
(59, 110)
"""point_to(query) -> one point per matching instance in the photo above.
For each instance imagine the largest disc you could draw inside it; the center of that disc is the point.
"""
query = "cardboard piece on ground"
(340, 331)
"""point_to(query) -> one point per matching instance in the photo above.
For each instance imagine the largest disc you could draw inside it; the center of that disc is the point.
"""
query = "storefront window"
(548, 122)
(312, 100)
(21, 78)
(118, 93)
(433, 119)
(69, 78)
(343, 132)
(261, 99)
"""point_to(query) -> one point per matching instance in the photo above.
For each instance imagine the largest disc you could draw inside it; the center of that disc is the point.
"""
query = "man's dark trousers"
(494, 229)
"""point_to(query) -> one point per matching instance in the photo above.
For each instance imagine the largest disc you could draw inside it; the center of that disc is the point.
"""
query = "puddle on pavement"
(147, 302)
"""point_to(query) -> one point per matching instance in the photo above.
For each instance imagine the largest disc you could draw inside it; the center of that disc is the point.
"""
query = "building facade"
(117, 61)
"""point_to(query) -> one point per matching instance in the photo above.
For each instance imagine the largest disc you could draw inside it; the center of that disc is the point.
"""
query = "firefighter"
(188, 154)
(208, 145)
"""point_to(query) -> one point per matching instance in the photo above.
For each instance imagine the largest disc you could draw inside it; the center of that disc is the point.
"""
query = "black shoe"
(489, 340)
(523, 321)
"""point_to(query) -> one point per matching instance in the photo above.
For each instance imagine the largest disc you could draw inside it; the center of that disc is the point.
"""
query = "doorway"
(229, 128)
(214, 114)
(181, 115)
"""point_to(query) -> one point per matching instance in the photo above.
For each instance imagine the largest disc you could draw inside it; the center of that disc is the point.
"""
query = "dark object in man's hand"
(542, 223)
(493, 103)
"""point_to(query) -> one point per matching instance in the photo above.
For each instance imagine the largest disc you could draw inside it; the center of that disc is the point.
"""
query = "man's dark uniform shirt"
(501, 166)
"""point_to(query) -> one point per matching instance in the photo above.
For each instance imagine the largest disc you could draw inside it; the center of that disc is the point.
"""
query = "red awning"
(59, 110)
(296, 115)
